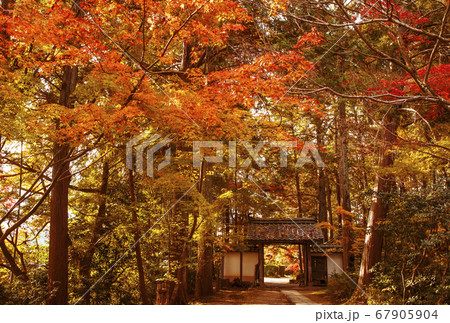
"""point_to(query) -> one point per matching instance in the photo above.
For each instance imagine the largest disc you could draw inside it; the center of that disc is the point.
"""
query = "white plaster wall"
(232, 263)
(249, 260)
(332, 267)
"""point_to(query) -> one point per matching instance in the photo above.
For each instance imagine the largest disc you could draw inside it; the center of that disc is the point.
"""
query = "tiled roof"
(297, 230)
(334, 248)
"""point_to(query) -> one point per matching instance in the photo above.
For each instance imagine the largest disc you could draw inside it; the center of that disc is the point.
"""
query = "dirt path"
(252, 296)
(274, 293)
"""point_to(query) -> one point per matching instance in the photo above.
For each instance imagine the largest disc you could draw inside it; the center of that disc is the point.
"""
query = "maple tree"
(366, 81)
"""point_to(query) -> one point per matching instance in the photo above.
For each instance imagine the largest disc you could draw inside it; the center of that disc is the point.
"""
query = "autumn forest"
(333, 111)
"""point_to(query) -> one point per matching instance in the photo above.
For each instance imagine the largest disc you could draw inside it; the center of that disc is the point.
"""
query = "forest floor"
(275, 292)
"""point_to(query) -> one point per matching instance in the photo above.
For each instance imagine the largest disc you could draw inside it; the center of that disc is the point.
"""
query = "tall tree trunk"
(344, 183)
(204, 274)
(323, 202)
(180, 224)
(137, 248)
(16, 234)
(321, 194)
(178, 296)
(384, 183)
(227, 216)
(85, 264)
(58, 274)
(298, 192)
(329, 208)
(178, 251)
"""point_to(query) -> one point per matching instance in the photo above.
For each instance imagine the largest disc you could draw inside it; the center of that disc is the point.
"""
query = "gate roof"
(287, 231)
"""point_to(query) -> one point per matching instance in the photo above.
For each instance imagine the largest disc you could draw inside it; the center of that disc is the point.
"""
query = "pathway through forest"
(277, 291)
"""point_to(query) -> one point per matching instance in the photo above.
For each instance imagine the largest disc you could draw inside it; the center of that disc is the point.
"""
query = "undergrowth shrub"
(341, 287)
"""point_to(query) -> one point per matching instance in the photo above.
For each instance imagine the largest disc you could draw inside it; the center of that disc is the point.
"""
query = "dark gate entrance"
(319, 270)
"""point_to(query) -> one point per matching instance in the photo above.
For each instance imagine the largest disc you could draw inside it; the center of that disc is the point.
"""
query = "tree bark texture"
(58, 273)
(384, 183)
(85, 263)
(344, 183)
(205, 268)
(137, 247)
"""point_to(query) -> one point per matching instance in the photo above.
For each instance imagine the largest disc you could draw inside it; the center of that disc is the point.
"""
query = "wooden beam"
(308, 256)
(261, 263)
(305, 265)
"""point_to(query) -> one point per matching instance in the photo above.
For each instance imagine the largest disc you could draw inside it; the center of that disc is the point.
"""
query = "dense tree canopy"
(366, 82)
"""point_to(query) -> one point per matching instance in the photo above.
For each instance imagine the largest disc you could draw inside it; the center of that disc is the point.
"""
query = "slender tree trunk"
(58, 273)
(58, 249)
(204, 274)
(16, 234)
(180, 221)
(323, 202)
(15, 269)
(336, 173)
(137, 248)
(227, 224)
(178, 251)
(298, 192)
(178, 293)
(85, 264)
(344, 184)
(383, 184)
(329, 208)
(322, 196)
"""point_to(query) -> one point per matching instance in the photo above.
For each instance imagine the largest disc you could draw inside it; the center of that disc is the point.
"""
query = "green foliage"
(18, 292)
(341, 287)
(416, 255)
(271, 271)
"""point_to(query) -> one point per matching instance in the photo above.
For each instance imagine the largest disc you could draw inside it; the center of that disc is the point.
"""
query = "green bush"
(340, 287)
(416, 234)
(31, 292)
(270, 271)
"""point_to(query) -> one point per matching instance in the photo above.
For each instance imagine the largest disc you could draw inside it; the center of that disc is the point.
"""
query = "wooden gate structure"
(319, 270)
(296, 231)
